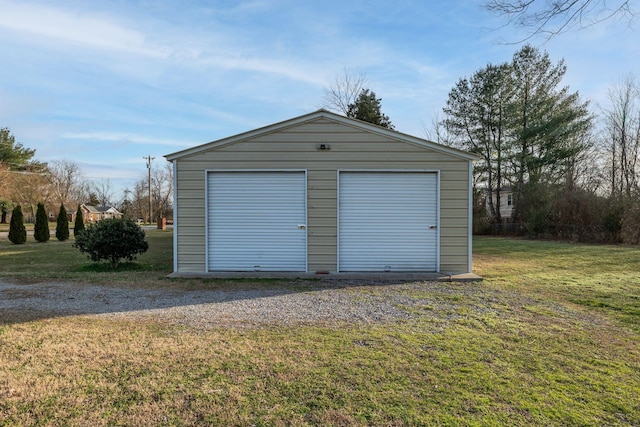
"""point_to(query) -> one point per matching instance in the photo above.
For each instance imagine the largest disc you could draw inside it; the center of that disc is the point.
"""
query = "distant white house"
(507, 202)
(97, 213)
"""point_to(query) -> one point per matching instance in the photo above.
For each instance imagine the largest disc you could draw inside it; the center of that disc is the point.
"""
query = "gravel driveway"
(228, 305)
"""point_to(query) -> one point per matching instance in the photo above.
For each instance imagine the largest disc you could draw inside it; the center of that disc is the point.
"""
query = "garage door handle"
(433, 227)
(302, 226)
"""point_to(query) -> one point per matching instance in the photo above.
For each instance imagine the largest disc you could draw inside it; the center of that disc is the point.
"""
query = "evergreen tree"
(476, 118)
(62, 225)
(547, 122)
(368, 108)
(17, 231)
(41, 229)
(79, 224)
(527, 127)
(12, 153)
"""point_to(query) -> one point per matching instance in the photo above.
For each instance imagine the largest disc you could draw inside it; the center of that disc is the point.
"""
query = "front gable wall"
(294, 148)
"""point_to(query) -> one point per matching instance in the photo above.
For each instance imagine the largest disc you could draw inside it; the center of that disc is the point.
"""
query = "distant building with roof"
(97, 213)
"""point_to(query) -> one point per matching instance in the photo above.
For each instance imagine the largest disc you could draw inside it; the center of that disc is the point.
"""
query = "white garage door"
(388, 221)
(257, 221)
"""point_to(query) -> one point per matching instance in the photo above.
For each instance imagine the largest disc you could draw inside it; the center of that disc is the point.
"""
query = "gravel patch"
(236, 306)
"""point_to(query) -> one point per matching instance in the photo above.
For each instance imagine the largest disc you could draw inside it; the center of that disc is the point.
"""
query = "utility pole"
(149, 159)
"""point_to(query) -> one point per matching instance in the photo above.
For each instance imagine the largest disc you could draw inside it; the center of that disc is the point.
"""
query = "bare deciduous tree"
(553, 17)
(65, 178)
(137, 201)
(344, 91)
(5, 177)
(30, 188)
(140, 199)
(622, 138)
(162, 189)
(103, 191)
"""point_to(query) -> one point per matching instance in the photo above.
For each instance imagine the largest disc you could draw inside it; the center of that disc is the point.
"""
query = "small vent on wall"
(323, 147)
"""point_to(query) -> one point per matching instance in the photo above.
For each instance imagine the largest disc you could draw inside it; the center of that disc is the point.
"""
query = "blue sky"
(105, 83)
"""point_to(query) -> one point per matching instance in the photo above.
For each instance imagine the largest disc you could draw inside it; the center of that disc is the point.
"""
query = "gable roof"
(110, 209)
(324, 114)
(100, 209)
(90, 208)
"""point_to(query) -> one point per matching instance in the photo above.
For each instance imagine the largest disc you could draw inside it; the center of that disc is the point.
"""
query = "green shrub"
(41, 229)
(62, 225)
(112, 240)
(17, 231)
(79, 224)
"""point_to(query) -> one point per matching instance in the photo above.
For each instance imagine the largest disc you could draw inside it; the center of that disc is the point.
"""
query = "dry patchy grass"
(479, 369)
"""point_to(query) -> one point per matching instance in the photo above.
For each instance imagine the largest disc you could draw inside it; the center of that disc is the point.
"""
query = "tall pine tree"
(368, 108)
(476, 119)
(12, 153)
(548, 126)
(526, 127)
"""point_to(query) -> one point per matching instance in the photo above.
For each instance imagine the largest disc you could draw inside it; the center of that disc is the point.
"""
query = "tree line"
(570, 173)
(27, 182)
(570, 170)
(566, 171)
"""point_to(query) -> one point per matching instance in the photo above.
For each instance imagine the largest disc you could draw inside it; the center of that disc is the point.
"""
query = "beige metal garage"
(322, 193)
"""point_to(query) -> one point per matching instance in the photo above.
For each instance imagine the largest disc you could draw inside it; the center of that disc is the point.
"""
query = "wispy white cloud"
(97, 32)
(72, 28)
(94, 171)
(126, 138)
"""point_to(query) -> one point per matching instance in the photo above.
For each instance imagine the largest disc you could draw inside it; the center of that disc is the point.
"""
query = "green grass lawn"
(551, 337)
(55, 260)
(603, 277)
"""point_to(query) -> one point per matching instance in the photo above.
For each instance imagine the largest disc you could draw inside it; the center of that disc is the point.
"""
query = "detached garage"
(322, 193)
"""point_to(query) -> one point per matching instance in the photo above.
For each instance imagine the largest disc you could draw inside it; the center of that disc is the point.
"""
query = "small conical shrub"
(62, 225)
(78, 226)
(17, 232)
(41, 229)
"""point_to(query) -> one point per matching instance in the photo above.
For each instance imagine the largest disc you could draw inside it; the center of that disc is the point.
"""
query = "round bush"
(112, 240)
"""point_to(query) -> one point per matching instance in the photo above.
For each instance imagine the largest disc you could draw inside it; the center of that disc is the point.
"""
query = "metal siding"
(254, 221)
(385, 221)
(175, 216)
(470, 222)
(321, 169)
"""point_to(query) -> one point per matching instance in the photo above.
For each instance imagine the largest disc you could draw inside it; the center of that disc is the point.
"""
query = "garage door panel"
(256, 221)
(388, 221)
